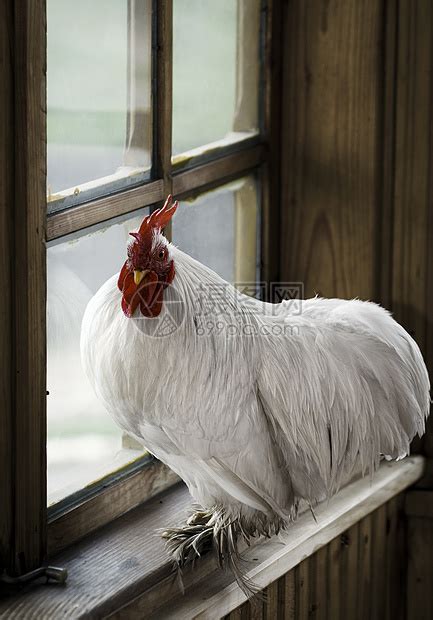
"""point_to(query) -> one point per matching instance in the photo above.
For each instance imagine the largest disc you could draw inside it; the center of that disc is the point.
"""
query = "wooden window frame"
(26, 534)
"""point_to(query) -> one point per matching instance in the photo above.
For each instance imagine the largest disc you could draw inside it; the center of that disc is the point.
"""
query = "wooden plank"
(331, 129)
(29, 442)
(225, 168)
(303, 538)
(102, 209)
(412, 231)
(379, 576)
(364, 569)
(419, 503)
(420, 569)
(271, 601)
(271, 173)
(396, 559)
(119, 569)
(163, 102)
(288, 591)
(385, 161)
(109, 504)
(6, 209)
(321, 602)
(334, 581)
(349, 572)
(412, 164)
(302, 598)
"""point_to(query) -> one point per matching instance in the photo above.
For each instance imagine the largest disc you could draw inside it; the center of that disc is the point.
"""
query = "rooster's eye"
(161, 254)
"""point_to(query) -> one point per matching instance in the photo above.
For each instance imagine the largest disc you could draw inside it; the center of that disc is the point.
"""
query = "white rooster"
(256, 408)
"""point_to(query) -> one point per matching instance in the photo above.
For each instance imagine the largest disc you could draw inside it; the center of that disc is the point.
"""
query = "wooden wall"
(356, 214)
(359, 575)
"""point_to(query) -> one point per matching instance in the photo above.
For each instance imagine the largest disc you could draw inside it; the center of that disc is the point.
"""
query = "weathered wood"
(82, 216)
(27, 40)
(304, 537)
(289, 596)
(331, 125)
(302, 595)
(386, 157)
(364, 568)
(6, 207)
(333, 574)
(164, 93)
(396, 559)
(114, 571)
(413, 237)
(109, 504)
(379, 576)
(271, 172)
(349, 576)
(214, 172)
(420, 569)
(413, 169)
(271, 601)
(320, 601)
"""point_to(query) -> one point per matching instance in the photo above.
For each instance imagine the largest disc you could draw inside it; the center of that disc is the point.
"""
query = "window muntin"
(215, 74)
(99, 119)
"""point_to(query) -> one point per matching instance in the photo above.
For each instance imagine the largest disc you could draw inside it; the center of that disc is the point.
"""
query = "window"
(143, 99)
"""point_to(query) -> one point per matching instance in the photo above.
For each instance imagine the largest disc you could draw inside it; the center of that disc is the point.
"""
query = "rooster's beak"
(139, 275)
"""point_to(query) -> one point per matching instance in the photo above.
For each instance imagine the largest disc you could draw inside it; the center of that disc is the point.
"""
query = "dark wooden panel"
(30, 285)
(379, 574)
(412, 226)
(331, 131)
(6, 197)
(412, 164)
(419, 511)
(350, 576)
(364, 568)
(271, 182)
(420, 569)
(358, 575)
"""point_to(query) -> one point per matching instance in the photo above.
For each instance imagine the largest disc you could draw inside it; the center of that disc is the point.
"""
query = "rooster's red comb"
(159, 218)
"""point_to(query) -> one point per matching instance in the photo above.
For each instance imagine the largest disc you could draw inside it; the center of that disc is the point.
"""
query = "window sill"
(122, 571)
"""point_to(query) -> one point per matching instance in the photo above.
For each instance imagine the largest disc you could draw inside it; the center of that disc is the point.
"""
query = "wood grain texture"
(420, 569)
(349, 575)
(364, 568)
(29, 290)
(214, 172)
(164, 93)
(109, 504)
(6, 202)
(121, 571)
(331, 127)
(102, 209)
(413, 166)
(216, 596)
(379, 575)
(413, 217)
(272, 118)
(419, 511)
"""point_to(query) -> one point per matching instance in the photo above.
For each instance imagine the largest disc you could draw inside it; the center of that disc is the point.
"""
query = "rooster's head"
(149, 269)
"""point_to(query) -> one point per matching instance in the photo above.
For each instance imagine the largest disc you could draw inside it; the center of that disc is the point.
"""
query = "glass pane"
(219, 229)
(99, 84)
(83, 443)
(215, 71)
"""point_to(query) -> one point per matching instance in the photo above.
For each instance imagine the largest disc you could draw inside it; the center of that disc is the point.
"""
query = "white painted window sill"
(122, 571)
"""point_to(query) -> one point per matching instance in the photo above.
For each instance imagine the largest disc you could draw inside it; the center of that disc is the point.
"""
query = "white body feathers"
(266, 407)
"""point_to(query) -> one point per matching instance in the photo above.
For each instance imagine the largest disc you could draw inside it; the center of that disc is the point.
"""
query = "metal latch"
(52, 573)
